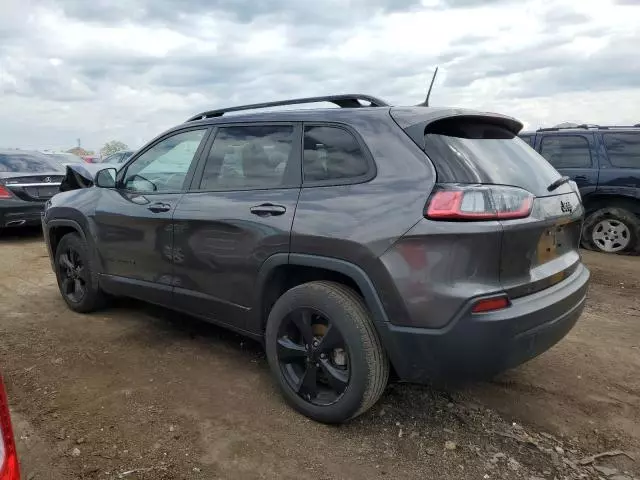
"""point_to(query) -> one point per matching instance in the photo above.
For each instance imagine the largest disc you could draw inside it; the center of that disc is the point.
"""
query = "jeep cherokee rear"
(351, 241)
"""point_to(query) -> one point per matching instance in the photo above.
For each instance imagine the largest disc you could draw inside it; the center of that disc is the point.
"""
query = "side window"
(564, 151)
(623, 149)
(243, 157)
(332, 153)
(164, 167)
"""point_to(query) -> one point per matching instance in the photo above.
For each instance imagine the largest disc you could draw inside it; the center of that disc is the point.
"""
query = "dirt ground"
(136, 392)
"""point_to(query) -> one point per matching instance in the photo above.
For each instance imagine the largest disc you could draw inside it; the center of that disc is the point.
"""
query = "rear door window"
(332, 154)
(474, 151)
(566, 151)
(623, 149)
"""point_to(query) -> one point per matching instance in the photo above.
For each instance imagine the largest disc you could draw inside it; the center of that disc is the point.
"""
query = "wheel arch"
(268, 290)
(341, 270)
(596, 201)
(58, 228)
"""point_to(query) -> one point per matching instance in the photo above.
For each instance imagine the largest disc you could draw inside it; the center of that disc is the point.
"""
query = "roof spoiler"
(414, 121)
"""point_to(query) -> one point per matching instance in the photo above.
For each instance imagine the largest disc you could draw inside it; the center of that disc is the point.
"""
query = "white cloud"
(106, 70)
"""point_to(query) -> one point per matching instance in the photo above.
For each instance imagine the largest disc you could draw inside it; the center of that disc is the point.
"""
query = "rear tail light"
(490, 304)
(479, 202)
(9, 469)
(5, 192)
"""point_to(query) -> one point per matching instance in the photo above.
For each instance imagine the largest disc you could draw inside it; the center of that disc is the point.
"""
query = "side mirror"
(106, 178)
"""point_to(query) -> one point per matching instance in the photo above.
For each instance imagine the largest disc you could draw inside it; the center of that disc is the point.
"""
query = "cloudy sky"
(128, 69)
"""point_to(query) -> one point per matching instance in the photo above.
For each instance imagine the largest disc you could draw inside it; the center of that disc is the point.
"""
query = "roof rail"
(586, 126)
(343, 101)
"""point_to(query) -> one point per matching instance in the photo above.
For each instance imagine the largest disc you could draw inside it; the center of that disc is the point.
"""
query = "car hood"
(80, 175)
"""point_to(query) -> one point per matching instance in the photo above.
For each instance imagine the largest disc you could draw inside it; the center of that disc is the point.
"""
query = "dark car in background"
(27, 181)
(357, 243)
(605, 163)
(118, 157)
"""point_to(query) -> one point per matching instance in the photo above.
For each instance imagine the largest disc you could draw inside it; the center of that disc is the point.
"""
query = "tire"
(621, 227)
(365, 357)
(72, 246)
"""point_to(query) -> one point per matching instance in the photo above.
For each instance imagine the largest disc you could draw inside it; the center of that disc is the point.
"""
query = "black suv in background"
(357, 243)
(605, 163)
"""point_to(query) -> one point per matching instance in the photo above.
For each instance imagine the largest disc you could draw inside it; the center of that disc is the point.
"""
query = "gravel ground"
(136, 392)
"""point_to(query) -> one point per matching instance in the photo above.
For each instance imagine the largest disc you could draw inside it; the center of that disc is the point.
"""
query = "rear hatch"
(486, 173)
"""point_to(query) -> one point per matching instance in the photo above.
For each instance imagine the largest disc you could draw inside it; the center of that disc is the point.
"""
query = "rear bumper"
(479, 345)
(16, 213)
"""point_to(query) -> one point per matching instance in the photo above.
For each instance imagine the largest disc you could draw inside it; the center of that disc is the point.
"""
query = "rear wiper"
(561, 181)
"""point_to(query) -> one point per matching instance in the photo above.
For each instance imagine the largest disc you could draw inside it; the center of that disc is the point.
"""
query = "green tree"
(111, 147)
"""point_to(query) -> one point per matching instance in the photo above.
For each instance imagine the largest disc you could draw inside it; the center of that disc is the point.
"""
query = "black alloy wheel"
(324, 351)
(76, 275)
(313, 357)
(72, 274)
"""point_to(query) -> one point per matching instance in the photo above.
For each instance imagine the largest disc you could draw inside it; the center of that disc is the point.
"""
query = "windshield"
(472, 152)
(27, 163)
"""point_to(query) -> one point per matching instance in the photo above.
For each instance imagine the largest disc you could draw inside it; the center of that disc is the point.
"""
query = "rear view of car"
(9, 468)
(493, 269)
(27, 181)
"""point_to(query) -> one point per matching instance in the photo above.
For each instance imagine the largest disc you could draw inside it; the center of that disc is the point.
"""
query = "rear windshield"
(26, 163)
(468, 151)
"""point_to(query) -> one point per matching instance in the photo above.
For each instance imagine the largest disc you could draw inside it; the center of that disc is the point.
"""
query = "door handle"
(581, 177)
(159, 207)
(267, 209)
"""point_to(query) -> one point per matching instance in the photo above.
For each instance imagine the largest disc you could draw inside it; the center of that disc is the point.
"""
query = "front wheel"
(612, 230)
(76, 277)
(325, 353)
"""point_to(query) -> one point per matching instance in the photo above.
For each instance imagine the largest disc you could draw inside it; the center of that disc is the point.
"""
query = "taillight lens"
(5, 192)
(479, 202)
(9, 469)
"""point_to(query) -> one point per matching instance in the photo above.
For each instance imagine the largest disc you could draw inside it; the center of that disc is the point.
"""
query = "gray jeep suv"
(358, 243)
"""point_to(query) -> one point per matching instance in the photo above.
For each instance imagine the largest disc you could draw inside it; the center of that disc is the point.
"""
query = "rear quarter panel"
(358, 223)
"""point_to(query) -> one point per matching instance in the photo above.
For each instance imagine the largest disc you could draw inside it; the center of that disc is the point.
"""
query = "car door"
(238, 213)
(133, 221)
(573, 155)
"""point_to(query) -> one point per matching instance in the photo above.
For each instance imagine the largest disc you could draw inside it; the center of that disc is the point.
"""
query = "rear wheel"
(76, 277)
(612, 230)
(324, 351)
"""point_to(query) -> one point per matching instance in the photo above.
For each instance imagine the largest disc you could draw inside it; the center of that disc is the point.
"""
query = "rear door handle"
(268, 209)
(159, 207)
